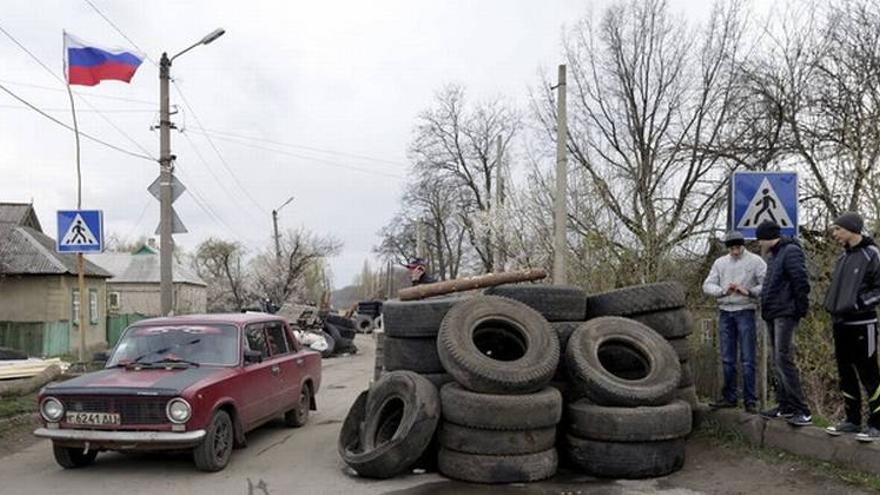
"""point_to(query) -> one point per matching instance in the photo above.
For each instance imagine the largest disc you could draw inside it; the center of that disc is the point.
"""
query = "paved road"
(304, 461)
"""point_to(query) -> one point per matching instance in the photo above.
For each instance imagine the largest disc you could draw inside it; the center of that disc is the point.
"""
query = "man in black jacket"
(852, 300)
(784, 301)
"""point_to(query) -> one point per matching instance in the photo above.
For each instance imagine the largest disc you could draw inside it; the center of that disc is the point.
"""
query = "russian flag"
(87, 64)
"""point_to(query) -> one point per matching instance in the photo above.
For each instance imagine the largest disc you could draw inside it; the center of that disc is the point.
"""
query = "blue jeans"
(737, 331)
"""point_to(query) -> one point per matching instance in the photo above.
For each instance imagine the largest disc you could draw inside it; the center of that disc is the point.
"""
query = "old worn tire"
(8, 354)
(408, 319)
(416, 354)
(687, 394)
(495, 442)
(501, 412)
(682, 348)
(687, 375)
(498, 468)
(299, 415)
(554, 302)
(563, 330)
(636, 300)
(331, 346)
(671, 323)
(631, 460)
(364, 323)
(340, 321)
(598, 377)
(73, 457)
(628, 424)
(438, 379)
(388, 429)
(493, 344)
(216, 448)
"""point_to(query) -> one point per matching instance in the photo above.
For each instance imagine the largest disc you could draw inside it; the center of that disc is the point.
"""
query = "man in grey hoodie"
(736, 280)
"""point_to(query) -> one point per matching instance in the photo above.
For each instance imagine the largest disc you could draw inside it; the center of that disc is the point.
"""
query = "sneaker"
(800, 419)
(843, 427)
(869, 435)
(776, 413)
(751, 409)
(722, 404)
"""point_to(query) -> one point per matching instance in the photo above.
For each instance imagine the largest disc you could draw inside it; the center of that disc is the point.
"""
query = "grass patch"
(13, 406)
(734, 441)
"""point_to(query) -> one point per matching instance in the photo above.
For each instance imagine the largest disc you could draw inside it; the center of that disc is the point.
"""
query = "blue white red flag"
(87, 64)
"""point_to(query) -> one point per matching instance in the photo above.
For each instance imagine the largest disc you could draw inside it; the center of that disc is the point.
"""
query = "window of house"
(256, 340)
(74, 307)
(113, 299)
(277, 338)
(93, 306)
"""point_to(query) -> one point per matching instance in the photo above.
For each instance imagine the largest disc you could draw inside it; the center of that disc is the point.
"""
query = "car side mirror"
(102, 356)
(251, 357)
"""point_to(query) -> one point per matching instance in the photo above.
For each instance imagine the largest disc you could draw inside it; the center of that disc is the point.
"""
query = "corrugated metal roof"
(25, 251)
(141, 268)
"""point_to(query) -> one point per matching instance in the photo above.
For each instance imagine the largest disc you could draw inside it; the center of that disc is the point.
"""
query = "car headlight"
(51, 409)
(178, 410)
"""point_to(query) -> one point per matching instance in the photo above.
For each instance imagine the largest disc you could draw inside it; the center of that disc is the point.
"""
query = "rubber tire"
(626, 460)
(671, 324)
(365, 324)
(299, 415)
(682, 348)
(438, 379)
(331, 346)
(73, 457)
(517, 325)
(495, 442)
(408, 319)
(687, 375)
(687, 394)
(497, 468)
(8, 354)
(629, 424)
(360, 443)
(554, 302)
(204, 456)
(419, 355)
(340, 321)
(592, 380)
(563, 330)
(637, 299)
(501, 412)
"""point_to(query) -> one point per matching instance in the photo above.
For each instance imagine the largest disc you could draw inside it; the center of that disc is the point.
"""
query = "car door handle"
(276, 370)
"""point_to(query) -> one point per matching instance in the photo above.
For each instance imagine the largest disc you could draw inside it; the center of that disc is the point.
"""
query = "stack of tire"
(661, 307)
(624, 420)
(339, 333)
(410, 337)
(367, 312)
(500, 415)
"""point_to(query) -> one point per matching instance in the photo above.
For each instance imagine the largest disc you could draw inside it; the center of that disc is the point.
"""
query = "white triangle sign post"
(78, 234)
(765, 205)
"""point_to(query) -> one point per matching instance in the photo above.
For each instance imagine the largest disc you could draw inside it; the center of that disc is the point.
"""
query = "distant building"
(39, 295)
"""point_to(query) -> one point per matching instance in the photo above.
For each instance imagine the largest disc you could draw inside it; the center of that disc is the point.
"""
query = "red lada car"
(196, 382)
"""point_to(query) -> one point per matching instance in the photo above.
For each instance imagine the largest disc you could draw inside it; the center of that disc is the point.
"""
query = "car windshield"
(201, 344)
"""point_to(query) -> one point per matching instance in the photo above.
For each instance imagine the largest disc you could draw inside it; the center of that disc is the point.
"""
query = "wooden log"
(469, 283)
(23, 387)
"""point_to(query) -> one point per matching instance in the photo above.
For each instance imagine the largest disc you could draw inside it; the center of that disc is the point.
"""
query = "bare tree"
(219, 264)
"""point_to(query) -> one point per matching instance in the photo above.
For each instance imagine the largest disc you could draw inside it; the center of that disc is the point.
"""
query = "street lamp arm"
(285, 204)
(204, 41)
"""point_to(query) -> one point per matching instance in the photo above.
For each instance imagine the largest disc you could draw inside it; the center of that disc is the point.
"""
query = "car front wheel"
(73, 457)
(216, 448)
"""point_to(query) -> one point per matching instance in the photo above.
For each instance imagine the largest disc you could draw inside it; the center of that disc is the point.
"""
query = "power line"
(117, 110)
(114, 26)
(77, 93)
(70, 128)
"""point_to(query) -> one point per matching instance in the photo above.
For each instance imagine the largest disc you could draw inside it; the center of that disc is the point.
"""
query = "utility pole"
(559, 244)
(277, 236)
(500, 251)
(166, 171)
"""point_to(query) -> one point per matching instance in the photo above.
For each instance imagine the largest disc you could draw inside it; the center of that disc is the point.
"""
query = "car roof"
(228, 318)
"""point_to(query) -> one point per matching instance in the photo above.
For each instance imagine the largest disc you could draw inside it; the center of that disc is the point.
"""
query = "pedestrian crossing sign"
(80, 231)
(760, 196)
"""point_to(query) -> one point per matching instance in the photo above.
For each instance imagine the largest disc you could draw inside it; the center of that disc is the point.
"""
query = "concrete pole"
(277, 239)
(559, 244)
(166, 244)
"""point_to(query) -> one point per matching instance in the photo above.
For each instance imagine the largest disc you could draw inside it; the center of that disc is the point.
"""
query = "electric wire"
(77, 93)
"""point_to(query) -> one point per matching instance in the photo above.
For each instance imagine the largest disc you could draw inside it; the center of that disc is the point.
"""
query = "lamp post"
(166, 172)
(275, 225)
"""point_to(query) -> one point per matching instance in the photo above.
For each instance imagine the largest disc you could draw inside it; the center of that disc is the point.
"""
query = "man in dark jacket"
(418, 272)
(852, 300)
(784, 301)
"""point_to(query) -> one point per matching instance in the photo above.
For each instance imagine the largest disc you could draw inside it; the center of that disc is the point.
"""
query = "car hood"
(161, 381)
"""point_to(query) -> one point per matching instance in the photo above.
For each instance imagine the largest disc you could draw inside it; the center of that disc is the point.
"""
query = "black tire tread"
(637, 299)
(498, 468)
(501, 412)
(629, 424)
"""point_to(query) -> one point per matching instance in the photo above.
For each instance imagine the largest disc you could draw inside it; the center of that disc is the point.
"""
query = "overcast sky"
(333, 87)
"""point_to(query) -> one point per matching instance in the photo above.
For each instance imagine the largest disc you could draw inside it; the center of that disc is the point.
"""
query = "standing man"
(784, 301)
(852, 300)
(418, 272)
(735, 280)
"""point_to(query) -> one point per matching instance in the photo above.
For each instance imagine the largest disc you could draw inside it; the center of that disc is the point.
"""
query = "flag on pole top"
(87, 64)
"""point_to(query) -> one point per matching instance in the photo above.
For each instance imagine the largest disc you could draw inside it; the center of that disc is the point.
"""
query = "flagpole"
(80, 261)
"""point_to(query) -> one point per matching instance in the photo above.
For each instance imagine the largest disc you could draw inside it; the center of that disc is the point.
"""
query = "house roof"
(141, 267)
(27, 251)
(20, 214)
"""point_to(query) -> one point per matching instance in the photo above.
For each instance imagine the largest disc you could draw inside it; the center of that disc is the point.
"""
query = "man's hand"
(742, 290)
(731, 288)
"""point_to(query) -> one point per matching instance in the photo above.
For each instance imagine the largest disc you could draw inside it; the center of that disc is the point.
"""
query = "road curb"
(808, 441)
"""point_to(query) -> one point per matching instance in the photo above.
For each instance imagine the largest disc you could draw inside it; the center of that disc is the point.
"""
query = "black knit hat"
(734, 238)
(767, 230)
(850, 221)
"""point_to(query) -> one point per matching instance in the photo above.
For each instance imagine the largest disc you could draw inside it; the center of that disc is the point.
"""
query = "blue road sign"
(760, 196)
(80, 231)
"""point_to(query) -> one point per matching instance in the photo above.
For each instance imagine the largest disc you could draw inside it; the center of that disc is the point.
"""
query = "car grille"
(132, 410)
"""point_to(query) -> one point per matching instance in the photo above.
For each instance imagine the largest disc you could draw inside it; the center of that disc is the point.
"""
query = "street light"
(166, 173)
(275, 224)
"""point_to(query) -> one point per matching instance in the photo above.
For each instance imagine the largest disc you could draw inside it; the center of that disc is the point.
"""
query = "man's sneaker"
(800, 419)
(869, 435)
(776, 413)
(843, 427)
(751, 409)
(722, 404)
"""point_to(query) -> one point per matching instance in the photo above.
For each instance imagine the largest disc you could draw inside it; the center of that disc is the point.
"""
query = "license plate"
(93, 418)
